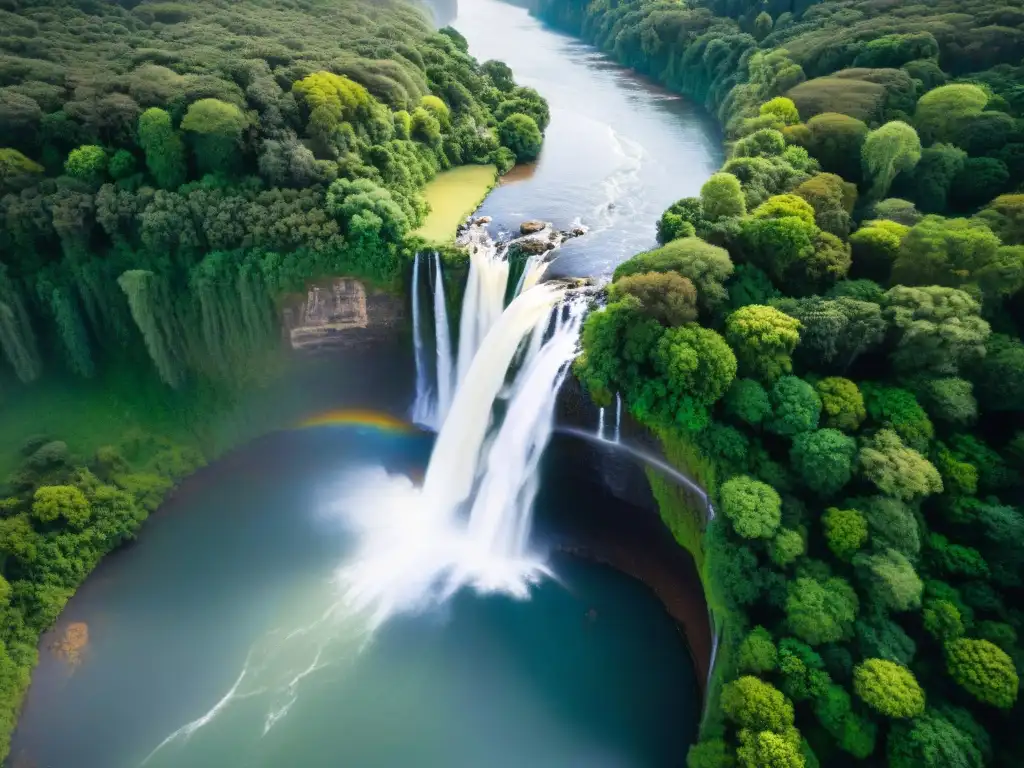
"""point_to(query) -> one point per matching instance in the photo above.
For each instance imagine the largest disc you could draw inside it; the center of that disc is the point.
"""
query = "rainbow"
(359, 418)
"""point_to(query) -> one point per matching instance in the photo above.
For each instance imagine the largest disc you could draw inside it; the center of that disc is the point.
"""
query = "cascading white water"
(500, 516)
(484, 299)
(445, 388)
(453, 463)
(600, 423)
(416, 545)
(533, 270)
(424, 407)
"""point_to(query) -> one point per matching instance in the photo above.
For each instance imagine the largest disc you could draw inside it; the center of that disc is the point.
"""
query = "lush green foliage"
(62, 514)
(216, 162)
(875, 309)
(753, 507)
(984, 670)
(888, 688)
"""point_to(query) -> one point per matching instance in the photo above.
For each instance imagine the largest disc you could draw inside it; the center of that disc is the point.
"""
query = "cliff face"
(610, 515)
(342, 312)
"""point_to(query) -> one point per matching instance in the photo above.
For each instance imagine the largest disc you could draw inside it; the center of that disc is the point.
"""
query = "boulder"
(531, 227)
(529, 247)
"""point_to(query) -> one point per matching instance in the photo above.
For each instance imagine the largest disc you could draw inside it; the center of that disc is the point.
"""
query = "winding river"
(619, 149)
(215, 640)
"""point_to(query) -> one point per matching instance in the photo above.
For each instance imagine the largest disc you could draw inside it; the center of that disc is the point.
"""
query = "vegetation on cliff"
(168, 168)
(829, 339)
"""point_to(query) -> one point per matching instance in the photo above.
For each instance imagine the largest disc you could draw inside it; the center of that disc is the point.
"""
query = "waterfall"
(618, 417)
(600, 423)
(469, 523)
(416, 545)
(499, 521)
(453, 463)
(424, 407)
(444, 345)
(533, 270)
(484, 299)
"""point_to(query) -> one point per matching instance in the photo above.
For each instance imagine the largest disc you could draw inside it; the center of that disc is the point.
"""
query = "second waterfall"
(493, 408)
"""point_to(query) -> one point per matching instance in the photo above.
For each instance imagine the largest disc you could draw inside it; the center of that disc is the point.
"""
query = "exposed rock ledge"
(341, 311)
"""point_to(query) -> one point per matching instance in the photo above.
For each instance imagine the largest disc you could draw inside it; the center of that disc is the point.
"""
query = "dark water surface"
(208, 626)
(619, 149)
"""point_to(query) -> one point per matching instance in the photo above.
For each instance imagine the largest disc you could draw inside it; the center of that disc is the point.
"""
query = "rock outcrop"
(341, 311)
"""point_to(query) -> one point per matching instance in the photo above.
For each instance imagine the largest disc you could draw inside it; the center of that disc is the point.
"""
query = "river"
(619, 150)
(216, 639)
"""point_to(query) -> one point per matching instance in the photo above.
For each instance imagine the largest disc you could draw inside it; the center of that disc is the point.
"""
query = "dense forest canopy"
(829, 339)
(167, 168)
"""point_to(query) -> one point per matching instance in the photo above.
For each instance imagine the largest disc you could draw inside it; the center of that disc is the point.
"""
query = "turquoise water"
(235, 573)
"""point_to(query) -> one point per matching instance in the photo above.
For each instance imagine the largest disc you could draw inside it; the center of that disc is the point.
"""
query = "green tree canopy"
(836, 140)
(834, 332)
(782, 108)
(941, 109)
(756, 705)
(721, 197)
(796, 407)
(888, 151)
(890, 579)
(942, 620)
(787, 547)
(999, 377)
(747, 401)
(782, 206)
(764, 339)
(705, 265)
(846, 531)
(1005, 217)
(667, 297)
(824, 459)
(821, 611)
(896, 469)
(888, 688)
(367, 211)
(779, 245)
(983, 670)
(521, 134)
(940, 330)
(52, 502)
(165, 153)
(931, 741)
(88, 163)
(876, 246)
(833, 200)
(955, 253)
(215, 128)
(757, 653)
(766, 749)
(934, 175)
(753, 508)
(842, 403)
(693, 368)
